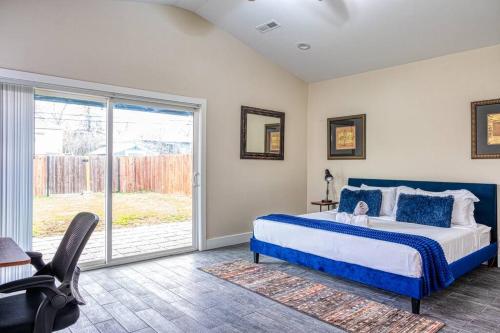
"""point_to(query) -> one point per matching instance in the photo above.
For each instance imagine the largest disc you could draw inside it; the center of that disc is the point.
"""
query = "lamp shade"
(328, 176)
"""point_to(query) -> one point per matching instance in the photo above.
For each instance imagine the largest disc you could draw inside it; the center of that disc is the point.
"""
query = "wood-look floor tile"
(134, 303)
(125, 317)
(157, 322)
(110, 326)
(171, 295)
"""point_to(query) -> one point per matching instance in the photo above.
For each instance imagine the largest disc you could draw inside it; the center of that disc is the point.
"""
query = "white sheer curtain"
(16, 169)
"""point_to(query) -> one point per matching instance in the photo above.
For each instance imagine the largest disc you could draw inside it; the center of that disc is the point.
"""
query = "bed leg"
(493, 262)
(255, 258)
(415, 306)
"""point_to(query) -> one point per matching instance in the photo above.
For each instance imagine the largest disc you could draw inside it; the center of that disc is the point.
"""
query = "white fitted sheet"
(457, 242)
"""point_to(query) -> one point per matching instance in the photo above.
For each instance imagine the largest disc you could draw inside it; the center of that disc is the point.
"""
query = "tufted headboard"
(485, 210)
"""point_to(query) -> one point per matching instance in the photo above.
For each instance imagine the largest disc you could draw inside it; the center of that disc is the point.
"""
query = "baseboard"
(214, 243)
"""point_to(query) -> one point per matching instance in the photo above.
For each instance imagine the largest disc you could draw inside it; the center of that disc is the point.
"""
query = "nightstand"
(322, 204)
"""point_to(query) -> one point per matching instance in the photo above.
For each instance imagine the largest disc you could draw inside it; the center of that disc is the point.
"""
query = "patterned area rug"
(346, 311)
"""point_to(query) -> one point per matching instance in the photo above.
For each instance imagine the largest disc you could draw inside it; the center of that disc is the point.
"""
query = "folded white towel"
(359, 220)
(343, 218)
(361, 208)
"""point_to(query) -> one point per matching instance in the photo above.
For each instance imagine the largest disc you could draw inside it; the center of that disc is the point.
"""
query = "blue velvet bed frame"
(485, 213)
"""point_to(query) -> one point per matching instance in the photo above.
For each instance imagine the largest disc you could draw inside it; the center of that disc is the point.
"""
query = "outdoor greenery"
(51, 215)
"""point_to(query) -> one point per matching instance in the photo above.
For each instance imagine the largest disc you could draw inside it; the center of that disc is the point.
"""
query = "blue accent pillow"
(424, 209)
(349, 199)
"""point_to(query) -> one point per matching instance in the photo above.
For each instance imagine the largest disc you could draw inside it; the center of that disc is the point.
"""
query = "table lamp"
(328, 179)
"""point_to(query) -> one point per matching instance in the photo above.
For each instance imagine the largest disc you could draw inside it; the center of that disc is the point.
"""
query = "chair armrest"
(53, 302)
(36, 259)
(75, 291)
(40, 281)
(45, 283)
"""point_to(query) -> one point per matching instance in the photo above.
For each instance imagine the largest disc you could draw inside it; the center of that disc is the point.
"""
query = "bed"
(365, 260)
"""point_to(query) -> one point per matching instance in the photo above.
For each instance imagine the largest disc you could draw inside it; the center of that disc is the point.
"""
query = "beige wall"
(166, 49)
(418, 117)
(418, 120)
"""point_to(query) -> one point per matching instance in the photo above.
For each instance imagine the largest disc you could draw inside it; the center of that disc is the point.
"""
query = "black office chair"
(45, 307)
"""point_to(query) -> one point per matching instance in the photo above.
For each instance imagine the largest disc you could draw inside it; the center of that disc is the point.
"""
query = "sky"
(52, 119)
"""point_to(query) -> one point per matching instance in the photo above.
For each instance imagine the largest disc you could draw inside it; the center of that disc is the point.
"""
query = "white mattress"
(457, 242)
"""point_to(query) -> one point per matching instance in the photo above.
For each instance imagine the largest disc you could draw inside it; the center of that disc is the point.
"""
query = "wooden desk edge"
(16, 263)
(23, 258)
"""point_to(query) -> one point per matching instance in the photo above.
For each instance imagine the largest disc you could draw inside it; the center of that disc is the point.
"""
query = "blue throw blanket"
(435, 270)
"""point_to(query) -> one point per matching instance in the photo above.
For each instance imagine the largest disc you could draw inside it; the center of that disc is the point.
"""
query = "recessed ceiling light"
(303, 46)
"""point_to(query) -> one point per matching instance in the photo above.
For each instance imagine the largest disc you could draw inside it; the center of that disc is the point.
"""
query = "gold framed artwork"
(347, 137)
(485, 129)
(272, 138)
(494, 129)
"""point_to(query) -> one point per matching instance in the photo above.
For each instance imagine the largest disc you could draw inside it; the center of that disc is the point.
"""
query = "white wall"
(418, 120)
(166, 49)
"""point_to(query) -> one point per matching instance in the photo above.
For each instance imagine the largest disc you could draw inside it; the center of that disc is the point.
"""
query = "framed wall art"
(273, 138)
(485, 129)
(347, 138)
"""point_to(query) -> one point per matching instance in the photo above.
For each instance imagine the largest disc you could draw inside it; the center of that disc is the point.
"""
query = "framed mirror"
(262, 134)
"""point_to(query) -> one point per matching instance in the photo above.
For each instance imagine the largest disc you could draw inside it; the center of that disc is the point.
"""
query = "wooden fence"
(170, 174)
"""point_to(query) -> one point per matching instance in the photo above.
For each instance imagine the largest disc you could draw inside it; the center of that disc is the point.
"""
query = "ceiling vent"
(271, 25)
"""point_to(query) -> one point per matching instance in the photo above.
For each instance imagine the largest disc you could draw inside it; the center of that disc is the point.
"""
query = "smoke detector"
(266, 27)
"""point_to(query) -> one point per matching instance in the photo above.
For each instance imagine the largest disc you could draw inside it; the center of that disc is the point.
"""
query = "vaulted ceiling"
(353, 36)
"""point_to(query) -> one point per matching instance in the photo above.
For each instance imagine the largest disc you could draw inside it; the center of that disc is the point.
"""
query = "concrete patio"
(127, 241)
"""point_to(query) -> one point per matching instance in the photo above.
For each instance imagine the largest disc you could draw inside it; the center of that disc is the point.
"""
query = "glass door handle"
(196, 179)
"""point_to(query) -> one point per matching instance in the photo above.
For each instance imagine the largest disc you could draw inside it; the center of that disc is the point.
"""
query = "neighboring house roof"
(137, 148)
(125, 149)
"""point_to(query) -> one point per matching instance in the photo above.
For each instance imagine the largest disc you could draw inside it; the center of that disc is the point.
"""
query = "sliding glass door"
(152, 173)
(68, 173)
(129, 162)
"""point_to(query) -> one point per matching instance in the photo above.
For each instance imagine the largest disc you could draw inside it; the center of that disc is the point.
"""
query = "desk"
(11, 254)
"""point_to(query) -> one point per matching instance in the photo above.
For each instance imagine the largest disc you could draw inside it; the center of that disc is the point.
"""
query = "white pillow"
(388, 198)
(401, 190)
(351, 188)
(463, 205)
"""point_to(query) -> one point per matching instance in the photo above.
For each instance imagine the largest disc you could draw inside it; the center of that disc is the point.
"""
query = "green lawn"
(51, 215)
